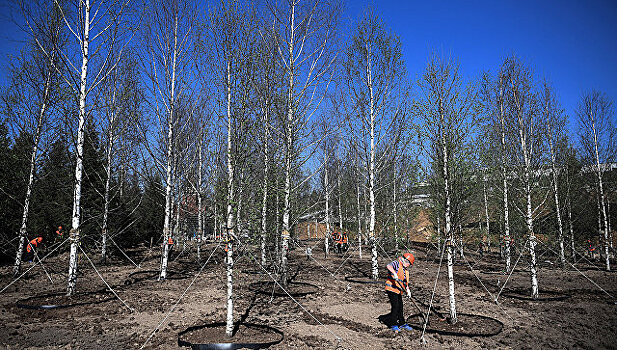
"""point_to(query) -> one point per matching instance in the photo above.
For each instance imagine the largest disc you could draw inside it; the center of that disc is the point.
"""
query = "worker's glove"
(408, 293)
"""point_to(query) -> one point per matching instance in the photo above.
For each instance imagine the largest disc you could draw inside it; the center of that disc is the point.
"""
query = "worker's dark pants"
(396, 313)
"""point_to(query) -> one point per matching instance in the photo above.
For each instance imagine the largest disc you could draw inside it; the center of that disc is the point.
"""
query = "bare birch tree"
(528, 151)
(494, 97)
(305, 33)
(597, 135)
(34, 90)
(95, 26)
(233, 40)
(374, 73)
(167, 42)
(555, 121)
(448, 110)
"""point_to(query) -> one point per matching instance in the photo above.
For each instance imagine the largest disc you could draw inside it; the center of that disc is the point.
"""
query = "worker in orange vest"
(30, 247)
(336, 237)
(59, 234)
(344, 241)
(397, 284)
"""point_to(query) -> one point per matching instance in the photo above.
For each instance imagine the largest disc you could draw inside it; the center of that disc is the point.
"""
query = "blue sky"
(571, 42)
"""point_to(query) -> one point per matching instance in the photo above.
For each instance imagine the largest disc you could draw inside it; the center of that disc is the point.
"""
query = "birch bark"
(230, 210)
(75, 221)
(33, 158)
(327, 197)
(504, 173)
(110, 147)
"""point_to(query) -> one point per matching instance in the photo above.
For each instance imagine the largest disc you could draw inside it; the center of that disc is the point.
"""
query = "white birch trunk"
(448, 220)
(602, 197)
(528, 212)
(340, 208)
(504, 173)
(371, 189)
(264, 204)
(288, 146)
(170, 157)
(110, 146)
(327, 195)
(75, 221)
(570, 223)
(278, 225)
(394, 206)
(230, 212)
(23, 237)
(488, 221)
(610, 230)
(200, 223)
(359, 220)
(562, 254)
(438, 235)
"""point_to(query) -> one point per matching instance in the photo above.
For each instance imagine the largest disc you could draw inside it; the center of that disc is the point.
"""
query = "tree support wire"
(510, 274)
(173, 307)
(323, 267)
(33, 266)
(36, 256)
(275, 280)
(428, 311)
(102, 279)
(587, 277)
(489, 292)
(123, 253)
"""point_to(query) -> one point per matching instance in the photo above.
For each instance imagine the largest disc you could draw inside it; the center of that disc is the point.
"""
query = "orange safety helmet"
(409, 257)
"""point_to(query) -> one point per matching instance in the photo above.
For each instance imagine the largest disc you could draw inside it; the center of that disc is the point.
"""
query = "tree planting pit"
(467, 325)
(543, 295)
(61, 301)
(246, 336)
(152, 275)
(294, 289)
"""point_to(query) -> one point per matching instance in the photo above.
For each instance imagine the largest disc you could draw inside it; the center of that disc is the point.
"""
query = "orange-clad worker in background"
(336, 237)
(344, 241)
(59, 234)
(396, 284)
(33, 243)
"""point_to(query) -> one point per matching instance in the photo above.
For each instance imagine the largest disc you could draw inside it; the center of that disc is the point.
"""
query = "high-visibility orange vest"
(336, 237)
(397, 286)
(170, 241)
(344, 239)
(33, 243)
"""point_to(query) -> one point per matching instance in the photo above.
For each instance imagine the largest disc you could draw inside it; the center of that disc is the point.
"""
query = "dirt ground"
(340, 314)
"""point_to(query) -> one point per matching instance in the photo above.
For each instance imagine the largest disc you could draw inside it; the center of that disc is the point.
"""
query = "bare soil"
(339, 314)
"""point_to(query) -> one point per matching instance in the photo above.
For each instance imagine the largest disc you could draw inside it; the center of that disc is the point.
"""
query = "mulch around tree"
(467, 325)
(144, 275)
(61, 300)
(245, 336)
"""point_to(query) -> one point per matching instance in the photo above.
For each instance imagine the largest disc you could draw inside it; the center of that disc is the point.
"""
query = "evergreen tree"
(93, 184)
(52, 197)
(151, 212)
